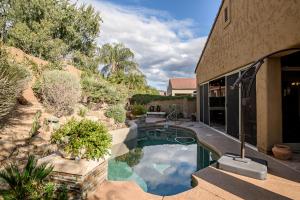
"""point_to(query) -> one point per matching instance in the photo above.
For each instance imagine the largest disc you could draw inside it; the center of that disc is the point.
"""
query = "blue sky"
(167, 36)
(203, 12)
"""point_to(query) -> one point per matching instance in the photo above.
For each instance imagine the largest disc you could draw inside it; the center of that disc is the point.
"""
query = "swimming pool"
(162, 161)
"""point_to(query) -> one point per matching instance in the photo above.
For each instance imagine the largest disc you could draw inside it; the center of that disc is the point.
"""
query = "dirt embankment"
(15, 141)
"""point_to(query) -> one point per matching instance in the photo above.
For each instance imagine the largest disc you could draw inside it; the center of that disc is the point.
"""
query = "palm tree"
(131, 80)
(117, 57)
(135, 81)
(29, 183)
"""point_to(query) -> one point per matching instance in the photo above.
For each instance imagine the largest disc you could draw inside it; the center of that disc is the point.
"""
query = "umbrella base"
(243, 166)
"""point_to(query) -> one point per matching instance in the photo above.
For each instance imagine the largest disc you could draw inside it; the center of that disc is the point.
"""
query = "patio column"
(269, 106)
(198, 103)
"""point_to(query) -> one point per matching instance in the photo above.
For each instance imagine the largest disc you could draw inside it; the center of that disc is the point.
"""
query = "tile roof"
(183, 83)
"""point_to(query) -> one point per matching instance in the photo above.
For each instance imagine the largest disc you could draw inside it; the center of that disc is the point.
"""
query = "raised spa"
(162, 161)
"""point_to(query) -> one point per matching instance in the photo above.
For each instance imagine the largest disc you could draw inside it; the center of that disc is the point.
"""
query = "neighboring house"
(181, 86)
(162, 93)
(243, 32)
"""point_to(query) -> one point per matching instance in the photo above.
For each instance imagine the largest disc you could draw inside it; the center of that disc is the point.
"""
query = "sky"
(167, 36)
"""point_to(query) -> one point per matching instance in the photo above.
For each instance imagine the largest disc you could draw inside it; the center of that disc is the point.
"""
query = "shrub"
(138, 109)
(60, 91)
(147, 98)
(13, 78)
(38, 69)
(37, 88)
(82, 111)
(85, 138)
(35, 124)
(29, 183)
(117, 112)
(100, 91)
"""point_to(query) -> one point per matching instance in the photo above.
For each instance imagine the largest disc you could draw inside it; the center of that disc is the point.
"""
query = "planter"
(79, 176)
(282, 152)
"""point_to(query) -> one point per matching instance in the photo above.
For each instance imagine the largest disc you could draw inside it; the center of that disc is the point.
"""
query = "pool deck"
(283, 182)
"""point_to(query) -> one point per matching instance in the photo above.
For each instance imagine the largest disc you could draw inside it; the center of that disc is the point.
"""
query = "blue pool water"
(162, 161)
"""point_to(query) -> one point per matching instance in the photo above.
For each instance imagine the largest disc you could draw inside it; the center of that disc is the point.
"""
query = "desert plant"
(35, 124)
(82, 111)
(99, 90)
(37, 88)
(13, 78)
(138, 109)
(60, 91)
(117, 112)
(38, 69)
(29, 183)
(85, 138)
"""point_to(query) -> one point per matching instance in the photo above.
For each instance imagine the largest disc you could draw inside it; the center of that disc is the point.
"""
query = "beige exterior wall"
(181, 92)
(256, 28)
(269, 107)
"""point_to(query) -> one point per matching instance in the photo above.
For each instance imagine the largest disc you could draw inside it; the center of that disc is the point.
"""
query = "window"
(226, 14)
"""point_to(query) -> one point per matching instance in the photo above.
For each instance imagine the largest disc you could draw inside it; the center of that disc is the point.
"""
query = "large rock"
(52, 119)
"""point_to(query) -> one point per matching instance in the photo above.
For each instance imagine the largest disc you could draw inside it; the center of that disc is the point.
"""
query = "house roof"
(183, 83)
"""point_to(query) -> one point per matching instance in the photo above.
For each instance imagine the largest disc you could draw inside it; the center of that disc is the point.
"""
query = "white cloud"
(164, 47)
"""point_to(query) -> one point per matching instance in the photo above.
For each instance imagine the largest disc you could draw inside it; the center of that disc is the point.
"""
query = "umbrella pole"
(242, 137)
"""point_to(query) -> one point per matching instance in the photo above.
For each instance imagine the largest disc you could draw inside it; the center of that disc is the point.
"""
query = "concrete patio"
(283, 182)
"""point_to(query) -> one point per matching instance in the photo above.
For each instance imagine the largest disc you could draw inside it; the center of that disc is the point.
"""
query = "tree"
(4, 11)
(117, 57)
(135, 81)
(50, 29)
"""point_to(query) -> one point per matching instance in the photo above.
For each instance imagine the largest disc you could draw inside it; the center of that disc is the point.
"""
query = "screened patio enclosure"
(220, 107)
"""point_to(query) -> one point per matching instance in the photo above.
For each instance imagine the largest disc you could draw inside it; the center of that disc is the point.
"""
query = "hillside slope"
(15, 141)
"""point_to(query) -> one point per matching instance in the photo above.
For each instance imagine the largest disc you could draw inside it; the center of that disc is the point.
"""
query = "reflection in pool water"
(162, 162)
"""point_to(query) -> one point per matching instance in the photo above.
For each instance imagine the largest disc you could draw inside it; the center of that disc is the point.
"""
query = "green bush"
(147, 98)
(82, 111)
(138, 109)
(29, 183)
(85, 138)
(60, 91)
(98, 90)
(37, 88)
(13, 79)
(38, 69)
(117, 112)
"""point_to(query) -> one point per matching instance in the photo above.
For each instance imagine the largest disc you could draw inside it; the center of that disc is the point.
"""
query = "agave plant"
(28, 183)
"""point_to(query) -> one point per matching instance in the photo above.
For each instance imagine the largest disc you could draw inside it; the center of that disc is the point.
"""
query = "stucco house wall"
(254, 29)
(182, 92)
